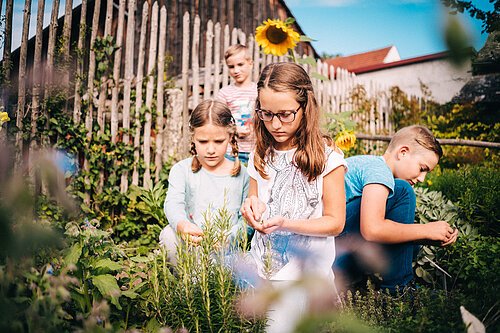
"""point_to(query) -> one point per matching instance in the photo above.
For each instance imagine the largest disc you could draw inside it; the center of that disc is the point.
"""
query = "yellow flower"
(4, 117)
(345, 140)
(276, 37)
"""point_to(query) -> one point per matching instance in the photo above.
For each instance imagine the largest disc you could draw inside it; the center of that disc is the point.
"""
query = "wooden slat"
(22, 83)
(225, 70)
(146, 150)
(68, 16)
(217, 59)
(7, 52)
(195, 63)
(77, 111)
(127, 84)
(160, 92)
(103, 93)
(208, 60)
(116, 71)
(138, 93)
(89, 116)
(185, 82)
(37, 85)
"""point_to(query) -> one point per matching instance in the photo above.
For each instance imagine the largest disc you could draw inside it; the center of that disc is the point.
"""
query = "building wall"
(441, 77)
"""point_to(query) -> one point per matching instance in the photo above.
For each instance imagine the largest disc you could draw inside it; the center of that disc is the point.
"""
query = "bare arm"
(330, 224)
(376, 228)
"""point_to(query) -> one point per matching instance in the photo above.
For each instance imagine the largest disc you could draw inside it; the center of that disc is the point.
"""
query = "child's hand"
(442, 232)
(272, 224)
(252, 210)
(190, 231)
(451, 239)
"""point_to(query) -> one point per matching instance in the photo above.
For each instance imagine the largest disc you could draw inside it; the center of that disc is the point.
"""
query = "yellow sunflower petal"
(345, 140)
(275, 37)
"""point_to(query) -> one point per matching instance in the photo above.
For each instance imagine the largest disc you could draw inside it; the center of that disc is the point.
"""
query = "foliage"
(414, 310)
(490, 19)
(474, 189)
(144, 217)
(198, 293)
(433, 206)
(341, 127)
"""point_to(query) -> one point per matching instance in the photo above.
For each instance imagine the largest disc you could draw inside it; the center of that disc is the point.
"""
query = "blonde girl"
(207, 180)
(296, 198)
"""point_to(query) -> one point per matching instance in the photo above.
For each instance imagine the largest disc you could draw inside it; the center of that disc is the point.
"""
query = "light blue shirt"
(366, 169)
(190, 195)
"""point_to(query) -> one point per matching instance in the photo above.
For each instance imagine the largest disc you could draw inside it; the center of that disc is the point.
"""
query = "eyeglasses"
(286, 116)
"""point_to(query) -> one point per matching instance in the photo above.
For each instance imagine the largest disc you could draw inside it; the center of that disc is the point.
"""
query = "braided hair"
(218, 114)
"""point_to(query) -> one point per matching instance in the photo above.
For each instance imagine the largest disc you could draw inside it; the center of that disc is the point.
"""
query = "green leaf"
(153, 325)
(107, 286)
(304, 38)
(108, 263)
(74, 254)
(307, 60)
(319, 76)
(130, 294)
(140, 259)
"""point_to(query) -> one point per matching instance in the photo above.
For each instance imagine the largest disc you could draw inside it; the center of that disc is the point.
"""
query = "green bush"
(476, 191)
(420, 310)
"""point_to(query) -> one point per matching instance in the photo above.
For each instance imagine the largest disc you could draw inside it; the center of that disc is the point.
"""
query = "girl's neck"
(223, 169)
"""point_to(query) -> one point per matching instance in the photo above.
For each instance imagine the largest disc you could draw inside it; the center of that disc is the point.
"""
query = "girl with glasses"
(296, 198)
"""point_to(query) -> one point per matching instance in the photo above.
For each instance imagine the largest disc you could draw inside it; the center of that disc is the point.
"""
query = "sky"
(354, 26)
(345, 26)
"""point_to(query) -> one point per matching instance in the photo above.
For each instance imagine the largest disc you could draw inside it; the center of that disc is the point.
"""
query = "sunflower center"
(276, 35)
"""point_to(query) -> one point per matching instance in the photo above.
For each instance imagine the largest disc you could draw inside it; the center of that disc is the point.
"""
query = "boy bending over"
(381, 205)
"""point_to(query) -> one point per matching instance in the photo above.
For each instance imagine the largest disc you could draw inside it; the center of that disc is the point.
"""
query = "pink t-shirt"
(241, 102)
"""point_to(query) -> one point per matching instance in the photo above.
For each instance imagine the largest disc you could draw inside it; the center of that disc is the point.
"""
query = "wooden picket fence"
(138, 81)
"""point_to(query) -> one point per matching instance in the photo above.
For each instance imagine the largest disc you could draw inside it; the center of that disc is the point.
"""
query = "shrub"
(475, 189)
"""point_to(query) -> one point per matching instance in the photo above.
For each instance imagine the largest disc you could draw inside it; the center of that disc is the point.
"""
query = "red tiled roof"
(376, 67)
(360, 60)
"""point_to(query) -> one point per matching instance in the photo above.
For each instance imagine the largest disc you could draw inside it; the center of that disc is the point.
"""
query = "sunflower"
(276, 37)
(345, 140)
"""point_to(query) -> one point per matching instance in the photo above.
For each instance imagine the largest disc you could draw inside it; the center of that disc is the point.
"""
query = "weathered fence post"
(77, 110)
(116, 71)
(185, 83)
(217, 58)
(149, 96)
(208, 59)
(138, 94)
(195, 63)
(160, 93)
(21, 99)
(127, 84)
(173, 127)
(89, 118)
(37, 84)
(68, 15)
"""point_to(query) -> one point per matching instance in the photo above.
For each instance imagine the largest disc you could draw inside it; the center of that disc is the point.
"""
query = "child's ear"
(403, 151)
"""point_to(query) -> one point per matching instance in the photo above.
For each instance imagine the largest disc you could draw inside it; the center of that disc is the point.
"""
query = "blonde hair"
(416, 136)
(235, 49)
(310, 157)
(218, 114)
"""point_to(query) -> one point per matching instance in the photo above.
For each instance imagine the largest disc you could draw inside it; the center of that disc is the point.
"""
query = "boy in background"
(240, 97)
(381, 206)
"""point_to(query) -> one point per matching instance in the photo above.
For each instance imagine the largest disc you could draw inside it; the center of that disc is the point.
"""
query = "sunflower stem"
(292, 55)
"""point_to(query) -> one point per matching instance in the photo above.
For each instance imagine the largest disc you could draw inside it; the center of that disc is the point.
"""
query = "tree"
(490, 19)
